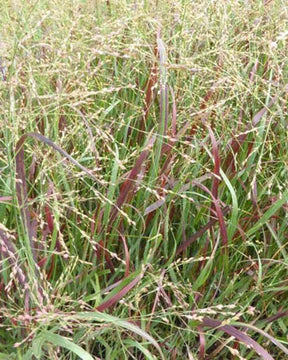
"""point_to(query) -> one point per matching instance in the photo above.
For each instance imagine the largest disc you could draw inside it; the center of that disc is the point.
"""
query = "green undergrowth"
(143, 188)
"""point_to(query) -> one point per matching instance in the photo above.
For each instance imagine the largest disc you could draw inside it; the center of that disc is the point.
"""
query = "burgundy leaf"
(236, 143)
(152, 81)
(129, 183)
(21, 184)
(239, 335)
(185, 244)
(202, 343)
(220, 215)
(120, 294)
(254, 70)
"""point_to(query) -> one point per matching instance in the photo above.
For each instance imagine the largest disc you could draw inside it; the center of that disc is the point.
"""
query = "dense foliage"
(143, 189)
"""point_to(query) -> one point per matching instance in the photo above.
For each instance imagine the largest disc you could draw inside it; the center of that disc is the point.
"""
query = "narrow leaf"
(239, 335)
(129, 183)
(270, 212)
(106, 318)
(63, 342)
(185, 244)
(119, 294)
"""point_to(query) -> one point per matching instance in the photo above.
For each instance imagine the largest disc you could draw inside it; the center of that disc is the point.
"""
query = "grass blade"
(163, 121)
(63, 342)
(21, 185)
(270, 212)
(9, 252)
(118, 293)
(265, 334)
(109, 319)
(239, 335)
(152, 81)
(129, 183)
(184, 245)
(232, 227)
(216, 171)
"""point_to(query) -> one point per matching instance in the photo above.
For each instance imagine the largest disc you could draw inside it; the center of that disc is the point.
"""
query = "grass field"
(143, 188)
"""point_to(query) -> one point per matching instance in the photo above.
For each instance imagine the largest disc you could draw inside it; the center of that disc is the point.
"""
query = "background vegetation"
(143, 189)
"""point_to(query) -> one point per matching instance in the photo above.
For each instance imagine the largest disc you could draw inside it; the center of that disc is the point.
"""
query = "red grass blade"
(254, 70)
(202, 342)
(257, 118)
(220, 215)
(32, 169)
(6, 199)
(152, 81)
(21, 184)
(48, 214)
(277, 316)
(156, 205)
(194, 237)
(239, 335)
(236, 143)
(100, 249)
(129, 183)
(120, 294)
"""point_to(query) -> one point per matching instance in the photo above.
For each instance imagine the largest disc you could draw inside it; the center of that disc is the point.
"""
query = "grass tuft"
(149, 219)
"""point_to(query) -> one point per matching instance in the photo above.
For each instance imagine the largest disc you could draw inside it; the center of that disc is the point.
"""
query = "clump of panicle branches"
(143, 201)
